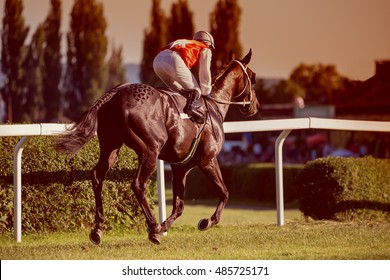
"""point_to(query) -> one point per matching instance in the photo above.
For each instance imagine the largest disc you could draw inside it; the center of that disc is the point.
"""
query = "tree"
(224, 25)
(52, 58)
(320, 82)
(34, 64)
(13, 53)
(154, 40)
(87, 48)
(180, 22)
(116, 71)
(287, 91)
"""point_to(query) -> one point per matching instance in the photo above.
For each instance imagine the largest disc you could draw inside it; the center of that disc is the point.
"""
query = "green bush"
(345, 188)
(252, 181)
(57, 192)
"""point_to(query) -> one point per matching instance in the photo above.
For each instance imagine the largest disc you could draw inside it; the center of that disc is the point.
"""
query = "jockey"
(173, 63)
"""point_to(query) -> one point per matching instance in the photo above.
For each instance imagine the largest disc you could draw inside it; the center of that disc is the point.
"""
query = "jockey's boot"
(191, 109)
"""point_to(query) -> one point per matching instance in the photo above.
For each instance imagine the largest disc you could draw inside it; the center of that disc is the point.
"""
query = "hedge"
(250, 181)
(345, 188)
(57, 192)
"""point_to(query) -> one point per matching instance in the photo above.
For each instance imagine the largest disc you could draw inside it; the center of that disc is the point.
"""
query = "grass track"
(242, 234)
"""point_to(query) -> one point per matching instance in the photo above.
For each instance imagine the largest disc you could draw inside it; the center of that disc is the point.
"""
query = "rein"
(220, 101)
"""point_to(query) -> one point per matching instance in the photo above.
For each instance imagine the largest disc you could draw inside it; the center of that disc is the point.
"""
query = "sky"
(350, 34)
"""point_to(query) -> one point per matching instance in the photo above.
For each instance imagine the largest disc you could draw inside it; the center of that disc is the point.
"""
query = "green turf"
(249, 233)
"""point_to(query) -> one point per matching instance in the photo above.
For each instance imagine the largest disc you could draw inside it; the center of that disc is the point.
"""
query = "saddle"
(180, 100)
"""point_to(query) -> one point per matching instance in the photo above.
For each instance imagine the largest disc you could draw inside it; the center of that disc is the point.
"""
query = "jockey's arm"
(205, 72)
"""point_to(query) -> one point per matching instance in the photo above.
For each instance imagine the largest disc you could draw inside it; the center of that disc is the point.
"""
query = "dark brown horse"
(147, 120)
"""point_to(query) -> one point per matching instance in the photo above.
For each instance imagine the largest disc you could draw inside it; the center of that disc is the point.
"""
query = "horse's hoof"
(163, 228)
(96, 236)
(154, 235)
(204, 224)
(157, 230)
(155, 238)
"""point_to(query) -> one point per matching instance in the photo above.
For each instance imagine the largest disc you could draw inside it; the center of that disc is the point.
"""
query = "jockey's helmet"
(205, 37)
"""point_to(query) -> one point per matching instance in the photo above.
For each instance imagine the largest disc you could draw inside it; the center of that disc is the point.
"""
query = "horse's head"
(245, 91)
(240, 79)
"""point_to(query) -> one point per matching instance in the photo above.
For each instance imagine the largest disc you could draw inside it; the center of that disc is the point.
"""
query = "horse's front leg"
(213, 171)
(178, 184)
(146, 167)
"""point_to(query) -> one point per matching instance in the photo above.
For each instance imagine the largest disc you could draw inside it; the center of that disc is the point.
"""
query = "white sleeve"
(204, 71)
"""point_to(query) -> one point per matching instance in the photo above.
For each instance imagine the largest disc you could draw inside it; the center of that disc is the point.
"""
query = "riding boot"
(191, 110)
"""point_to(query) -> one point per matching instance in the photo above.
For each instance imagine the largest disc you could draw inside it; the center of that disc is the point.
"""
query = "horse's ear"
(231, 55)
(247, 58)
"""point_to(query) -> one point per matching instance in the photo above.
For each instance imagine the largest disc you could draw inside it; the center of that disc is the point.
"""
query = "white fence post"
(162, 212)
(279, 175)
(18, 188)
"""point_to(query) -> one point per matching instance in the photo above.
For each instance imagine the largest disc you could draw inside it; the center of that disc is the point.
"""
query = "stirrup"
(191, 110)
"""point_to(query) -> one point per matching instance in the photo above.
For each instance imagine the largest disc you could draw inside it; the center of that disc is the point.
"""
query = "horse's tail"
(84, 129)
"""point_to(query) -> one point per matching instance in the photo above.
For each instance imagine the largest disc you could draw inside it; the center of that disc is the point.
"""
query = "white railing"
(284, 125)
(287, 125)
(26, 131)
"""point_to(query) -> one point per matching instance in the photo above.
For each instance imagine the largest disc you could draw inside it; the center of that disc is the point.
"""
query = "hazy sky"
(351, 34)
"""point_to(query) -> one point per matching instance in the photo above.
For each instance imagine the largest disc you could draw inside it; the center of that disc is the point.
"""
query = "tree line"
(42, 84)
(224, 26)
(314, 83)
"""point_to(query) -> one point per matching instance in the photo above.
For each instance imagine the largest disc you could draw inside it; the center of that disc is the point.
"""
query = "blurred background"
(320, 58)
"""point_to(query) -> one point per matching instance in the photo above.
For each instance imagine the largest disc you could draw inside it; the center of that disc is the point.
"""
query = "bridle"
(248, 79)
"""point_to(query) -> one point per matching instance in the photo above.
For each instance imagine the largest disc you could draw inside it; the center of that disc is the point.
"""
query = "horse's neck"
(225, 92)
(222, 108)
(226, 95)
(216, 120)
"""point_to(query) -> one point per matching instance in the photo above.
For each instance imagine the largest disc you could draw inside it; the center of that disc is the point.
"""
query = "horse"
(147, 120)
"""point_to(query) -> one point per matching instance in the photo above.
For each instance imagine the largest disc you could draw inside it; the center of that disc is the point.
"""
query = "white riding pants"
(171, 69)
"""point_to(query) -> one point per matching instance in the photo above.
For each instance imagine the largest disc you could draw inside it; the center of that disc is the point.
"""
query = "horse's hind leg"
(213, 171)
(107, 159)
(146, 165)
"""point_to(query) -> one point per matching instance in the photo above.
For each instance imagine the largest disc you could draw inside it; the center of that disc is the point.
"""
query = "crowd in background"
(298, 149)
